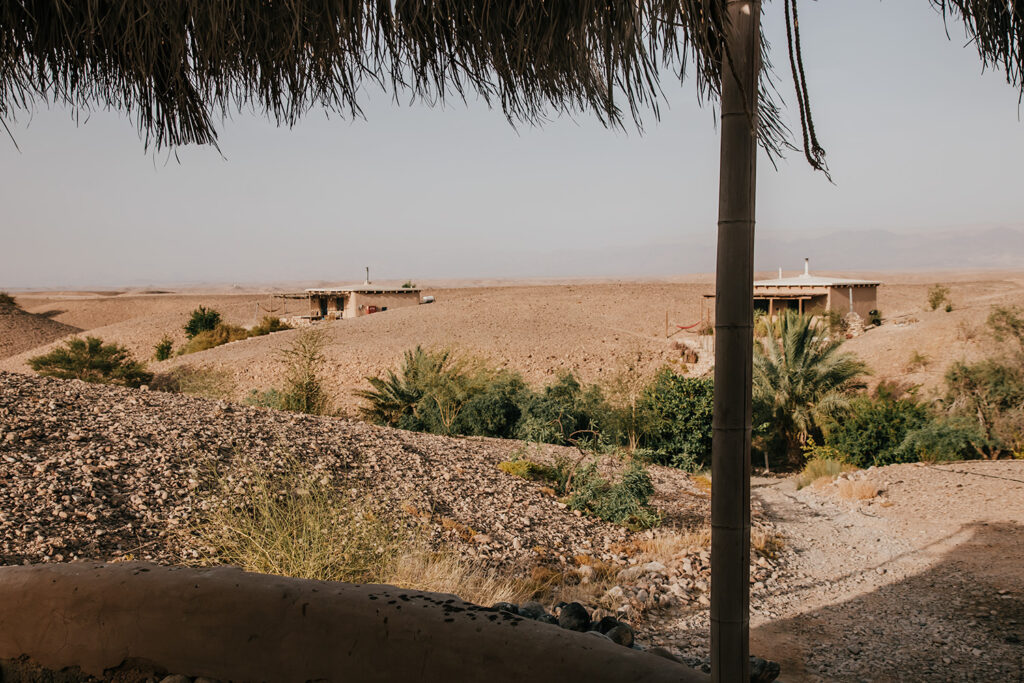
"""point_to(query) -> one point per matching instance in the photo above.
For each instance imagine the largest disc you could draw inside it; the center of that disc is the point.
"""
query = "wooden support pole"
(734, 344)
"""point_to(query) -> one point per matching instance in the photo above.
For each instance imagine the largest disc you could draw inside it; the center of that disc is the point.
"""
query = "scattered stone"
(574, 617)
(623, 635)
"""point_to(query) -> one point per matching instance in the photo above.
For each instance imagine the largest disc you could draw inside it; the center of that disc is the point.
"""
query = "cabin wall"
(359, 302)
(865, 299)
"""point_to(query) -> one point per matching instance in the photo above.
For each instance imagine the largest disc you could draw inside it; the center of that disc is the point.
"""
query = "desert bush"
(7, 300)
(92, 360)
(991, 394)
(917, 361)
(680, 409)
(303, 360)
(873, 429)
(202, 320)
(408, 284)
(937, 295)
(296, 523)
(208, 339)
(269, 398)
(860, 489)
(293, 524)
(623, 502)
(163, 348)
(1006, 323)
(801, 380)
(195, 381)
(821, 468)
(269, 324)
(949, 307)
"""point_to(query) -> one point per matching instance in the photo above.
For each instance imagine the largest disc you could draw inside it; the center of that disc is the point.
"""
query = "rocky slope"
(21, 331)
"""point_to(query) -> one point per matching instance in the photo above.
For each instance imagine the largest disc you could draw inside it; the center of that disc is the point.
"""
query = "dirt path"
(920, 584)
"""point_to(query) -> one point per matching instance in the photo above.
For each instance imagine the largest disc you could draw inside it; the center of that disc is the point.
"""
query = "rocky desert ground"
(921, 582)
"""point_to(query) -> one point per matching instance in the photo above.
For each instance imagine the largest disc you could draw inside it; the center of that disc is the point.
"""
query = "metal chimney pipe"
(780, 272)
(807, 266)
(367, 275)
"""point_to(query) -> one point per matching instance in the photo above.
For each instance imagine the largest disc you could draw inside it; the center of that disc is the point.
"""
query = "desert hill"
(21, 331)
(591, 329)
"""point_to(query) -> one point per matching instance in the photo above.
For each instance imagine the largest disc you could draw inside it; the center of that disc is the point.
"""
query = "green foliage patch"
(92, 360)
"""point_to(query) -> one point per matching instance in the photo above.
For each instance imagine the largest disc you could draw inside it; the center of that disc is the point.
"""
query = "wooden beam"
(734, 347)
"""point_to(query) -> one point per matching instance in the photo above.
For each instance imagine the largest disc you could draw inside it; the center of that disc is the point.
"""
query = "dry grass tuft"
(861, 489)
(668, 545)
(765, 542)
(446, 573)
(820, 471)
(295, 524)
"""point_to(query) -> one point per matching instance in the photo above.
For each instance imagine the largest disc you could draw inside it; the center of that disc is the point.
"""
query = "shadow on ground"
(960, 620)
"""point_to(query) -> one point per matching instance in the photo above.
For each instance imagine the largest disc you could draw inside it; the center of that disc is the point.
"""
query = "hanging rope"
(813, 151)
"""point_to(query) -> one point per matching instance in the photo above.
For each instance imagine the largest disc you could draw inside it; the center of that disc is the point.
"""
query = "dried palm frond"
(176, 65)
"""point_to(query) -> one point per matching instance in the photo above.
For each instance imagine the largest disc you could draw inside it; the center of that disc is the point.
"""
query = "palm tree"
(800, 379)
(394, 398)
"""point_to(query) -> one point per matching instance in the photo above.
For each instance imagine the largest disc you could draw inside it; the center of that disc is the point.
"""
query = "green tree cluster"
(92, 360)
(436, 391)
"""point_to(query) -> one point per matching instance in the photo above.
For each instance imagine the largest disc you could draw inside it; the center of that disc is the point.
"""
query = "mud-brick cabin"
(353, 301)
(815, 295)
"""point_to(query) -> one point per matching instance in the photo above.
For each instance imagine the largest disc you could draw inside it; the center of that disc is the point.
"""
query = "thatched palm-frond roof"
(178, 65)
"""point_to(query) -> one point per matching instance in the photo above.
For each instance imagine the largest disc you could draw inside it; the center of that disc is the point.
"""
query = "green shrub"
(163, 348)
(949, 307)
(937, 295)
(269, 324)
(494, 409)
(563, 412)
(7, 300)
(271, 398)
(203, 320)
(409, 284)
(92, 360)
(991, 393)
(527, 469)
(681, 432)
(208, 339)
(872, 430)
(942, 439)
(623, 502)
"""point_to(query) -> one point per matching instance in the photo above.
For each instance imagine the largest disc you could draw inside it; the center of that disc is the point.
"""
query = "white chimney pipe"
(807, 266)
(367, 275)
(780, 272)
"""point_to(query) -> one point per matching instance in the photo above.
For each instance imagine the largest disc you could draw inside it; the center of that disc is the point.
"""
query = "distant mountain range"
(998, 248)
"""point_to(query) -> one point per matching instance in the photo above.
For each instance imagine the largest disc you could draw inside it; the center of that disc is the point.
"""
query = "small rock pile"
(684, 581)
(574, 617)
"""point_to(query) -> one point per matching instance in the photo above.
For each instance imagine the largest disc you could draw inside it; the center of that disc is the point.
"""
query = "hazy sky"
(918, 139)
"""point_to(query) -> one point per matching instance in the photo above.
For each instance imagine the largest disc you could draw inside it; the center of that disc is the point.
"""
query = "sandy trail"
(921, 584)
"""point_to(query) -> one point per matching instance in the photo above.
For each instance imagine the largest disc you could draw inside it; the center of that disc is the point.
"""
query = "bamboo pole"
(734, 343)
